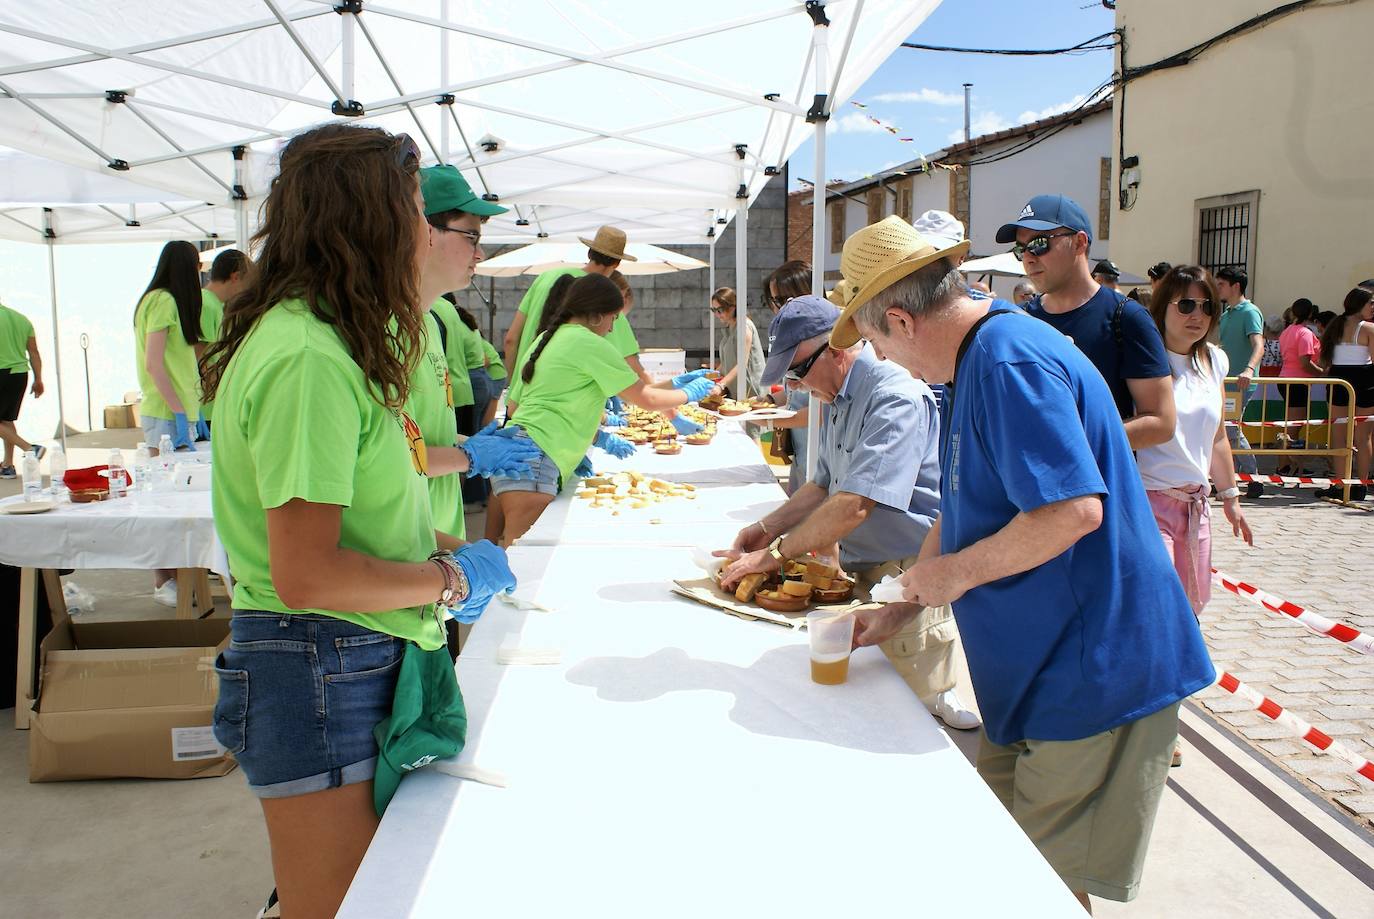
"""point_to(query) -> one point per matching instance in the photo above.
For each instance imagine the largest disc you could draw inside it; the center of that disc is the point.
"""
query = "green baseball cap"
(445, 189)
(428, 720)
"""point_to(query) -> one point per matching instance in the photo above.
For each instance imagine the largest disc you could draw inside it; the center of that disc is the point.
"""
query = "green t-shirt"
(455, 350)
(211, 317)
(623, 337)
(428, 404)
(495, 368)
(532, 308)
(561, 407)
(157, 311)
(299, 421)
(15, 332)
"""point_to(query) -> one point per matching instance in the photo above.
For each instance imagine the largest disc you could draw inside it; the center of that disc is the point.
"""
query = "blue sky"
(921, 92)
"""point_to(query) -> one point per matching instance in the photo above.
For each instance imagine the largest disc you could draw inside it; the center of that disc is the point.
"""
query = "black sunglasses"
(1187, 304)
(1039, 245)
(798, 373)
(407, 152)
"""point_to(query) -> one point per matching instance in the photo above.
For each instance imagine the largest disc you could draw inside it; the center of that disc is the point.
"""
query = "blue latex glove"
(685, 426)
(682, 379)
(488, 573)
(181, 439)
(614, 421)
(613, 404)
(615, 445)
(698, 389)
(495, 452)
(202, 429)
(584, 469)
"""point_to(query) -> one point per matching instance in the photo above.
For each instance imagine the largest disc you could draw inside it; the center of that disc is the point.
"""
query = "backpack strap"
(443, 331)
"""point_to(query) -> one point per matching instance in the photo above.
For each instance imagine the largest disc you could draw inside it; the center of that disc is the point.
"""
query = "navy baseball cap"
(802, 319)
(1048, 212)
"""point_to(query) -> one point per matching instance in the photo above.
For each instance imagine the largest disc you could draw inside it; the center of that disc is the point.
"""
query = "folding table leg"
(186, 590)
(28, 617)
(205, 598)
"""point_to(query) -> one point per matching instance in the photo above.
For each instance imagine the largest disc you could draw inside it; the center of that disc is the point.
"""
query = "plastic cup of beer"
(831, 637)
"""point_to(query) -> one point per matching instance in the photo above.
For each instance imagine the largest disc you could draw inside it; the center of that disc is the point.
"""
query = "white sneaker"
(949, 709)
(167, 593)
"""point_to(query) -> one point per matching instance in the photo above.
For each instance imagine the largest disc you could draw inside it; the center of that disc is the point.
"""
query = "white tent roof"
(1002, 265)
(605, 111)
(543, 256)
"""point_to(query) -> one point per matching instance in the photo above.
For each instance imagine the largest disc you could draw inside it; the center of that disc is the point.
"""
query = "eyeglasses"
(720, 310)
(798, 373)
(473, 236)
(772, 302)
(1039, 245)
(407, 152)
(1187, 304)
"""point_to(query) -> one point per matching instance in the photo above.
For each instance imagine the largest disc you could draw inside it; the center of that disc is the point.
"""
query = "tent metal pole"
(443, 81)
(50, 237)
(240, 200)
(819, 239)
(348, 56)
(711, 316)
(741, 291)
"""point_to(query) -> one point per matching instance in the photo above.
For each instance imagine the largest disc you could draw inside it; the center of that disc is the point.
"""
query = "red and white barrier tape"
(1300, 479)
(1313, 422)
(1301, 729)
(1351, 637)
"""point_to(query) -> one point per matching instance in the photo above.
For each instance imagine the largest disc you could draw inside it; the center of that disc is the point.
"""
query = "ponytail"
(591, 295)
(1354, 305)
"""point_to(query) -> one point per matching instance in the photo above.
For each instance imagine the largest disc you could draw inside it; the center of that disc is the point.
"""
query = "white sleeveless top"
(1352, 353)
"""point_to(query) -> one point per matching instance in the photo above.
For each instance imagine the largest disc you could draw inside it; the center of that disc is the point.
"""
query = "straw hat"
(610, 242)
(873, 259)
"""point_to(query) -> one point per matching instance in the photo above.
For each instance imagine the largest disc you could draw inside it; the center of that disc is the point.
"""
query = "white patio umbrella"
(1002, 265)
(539, 257)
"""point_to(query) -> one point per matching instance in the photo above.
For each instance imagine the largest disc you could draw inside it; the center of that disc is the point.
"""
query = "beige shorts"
(1088, 805)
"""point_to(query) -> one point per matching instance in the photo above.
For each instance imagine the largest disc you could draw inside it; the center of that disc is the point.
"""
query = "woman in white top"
(1175, 473)
(1347, 349)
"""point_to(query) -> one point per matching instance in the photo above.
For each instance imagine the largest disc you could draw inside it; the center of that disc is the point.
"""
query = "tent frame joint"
(817, 111)
(116, 96)
(118, 165)
(816, 10)
(771, 171)
(445, 99)
(350, 109)
(349, 6)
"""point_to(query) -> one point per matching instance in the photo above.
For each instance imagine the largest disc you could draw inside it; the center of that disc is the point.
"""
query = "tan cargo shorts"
(1088, 805)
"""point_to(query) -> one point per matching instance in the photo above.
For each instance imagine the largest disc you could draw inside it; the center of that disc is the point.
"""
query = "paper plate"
(29, 507)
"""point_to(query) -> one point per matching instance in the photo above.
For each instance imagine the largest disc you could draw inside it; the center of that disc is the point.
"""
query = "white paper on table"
(889, 590)
(707, 562)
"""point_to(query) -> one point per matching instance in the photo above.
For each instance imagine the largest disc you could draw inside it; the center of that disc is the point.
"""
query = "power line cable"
(1090, 44)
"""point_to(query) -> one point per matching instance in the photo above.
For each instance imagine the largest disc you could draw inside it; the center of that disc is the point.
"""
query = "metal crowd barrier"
(1317, 428)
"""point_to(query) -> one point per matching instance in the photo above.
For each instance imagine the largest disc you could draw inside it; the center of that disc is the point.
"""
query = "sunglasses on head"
(1187, 304)
(1039, 245)
(798, 373)
(407, 152)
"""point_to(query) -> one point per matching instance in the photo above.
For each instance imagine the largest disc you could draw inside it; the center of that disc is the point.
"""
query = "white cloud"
(982, 123)
(931, 96)
(1030, 115)
(854, 123)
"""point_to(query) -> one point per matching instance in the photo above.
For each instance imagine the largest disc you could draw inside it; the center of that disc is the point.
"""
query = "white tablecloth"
(731, 457)
(159, 529)
(680, 762)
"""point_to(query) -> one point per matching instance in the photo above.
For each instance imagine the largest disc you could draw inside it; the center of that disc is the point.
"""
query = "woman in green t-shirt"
(167, 331)
(563, 388)
(321, 503)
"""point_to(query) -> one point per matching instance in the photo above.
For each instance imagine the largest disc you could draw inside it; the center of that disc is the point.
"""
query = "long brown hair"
(1174, 285)
(339, 231)
(588, 296)
(1355, 302)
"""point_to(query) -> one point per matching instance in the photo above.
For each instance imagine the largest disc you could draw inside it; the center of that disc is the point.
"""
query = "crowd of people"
(1037, 475)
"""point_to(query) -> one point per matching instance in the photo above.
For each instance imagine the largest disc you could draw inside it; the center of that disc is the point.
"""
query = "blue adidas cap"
(1048, 212)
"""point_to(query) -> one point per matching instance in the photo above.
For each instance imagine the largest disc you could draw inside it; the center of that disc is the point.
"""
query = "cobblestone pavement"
(1318, 555)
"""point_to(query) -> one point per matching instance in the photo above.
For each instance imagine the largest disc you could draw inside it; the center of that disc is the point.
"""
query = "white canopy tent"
(658, 118)
(1001, 265)
(538, 257)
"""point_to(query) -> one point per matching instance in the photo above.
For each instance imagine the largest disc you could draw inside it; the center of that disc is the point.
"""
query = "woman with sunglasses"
(1176, 473)
(321, 503)
(723, 306)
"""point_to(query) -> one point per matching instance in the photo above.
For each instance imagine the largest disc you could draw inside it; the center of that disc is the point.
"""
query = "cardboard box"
(127, 700)
(123, 415)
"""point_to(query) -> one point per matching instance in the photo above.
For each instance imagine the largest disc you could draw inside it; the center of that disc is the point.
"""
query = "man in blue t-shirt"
(1051, 238)
(1079, 638)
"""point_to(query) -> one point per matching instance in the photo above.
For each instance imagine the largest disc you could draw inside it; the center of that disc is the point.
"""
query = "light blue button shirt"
(880, 439)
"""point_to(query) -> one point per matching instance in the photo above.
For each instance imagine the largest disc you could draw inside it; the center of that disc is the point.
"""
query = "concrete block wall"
(671, 309)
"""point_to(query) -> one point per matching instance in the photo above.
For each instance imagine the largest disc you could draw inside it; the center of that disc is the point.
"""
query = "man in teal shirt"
(1242, 338)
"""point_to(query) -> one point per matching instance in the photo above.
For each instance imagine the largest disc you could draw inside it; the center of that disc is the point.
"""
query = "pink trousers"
(1185, 521)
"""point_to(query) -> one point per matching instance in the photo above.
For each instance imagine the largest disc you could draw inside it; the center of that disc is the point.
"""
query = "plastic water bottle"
(143, 467)
(116, 464)
(165, 460)
(33, 479)
(57, 468)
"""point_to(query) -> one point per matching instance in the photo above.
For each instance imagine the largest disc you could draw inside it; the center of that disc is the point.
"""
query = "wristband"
(1226, 494)
(452, 573)
(759, 524)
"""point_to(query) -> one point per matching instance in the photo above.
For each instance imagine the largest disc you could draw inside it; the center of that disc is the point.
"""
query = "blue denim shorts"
(299, 695)
(154, 428)
(546, 481)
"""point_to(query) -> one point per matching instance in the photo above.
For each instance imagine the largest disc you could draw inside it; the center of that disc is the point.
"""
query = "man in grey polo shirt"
(876, 491)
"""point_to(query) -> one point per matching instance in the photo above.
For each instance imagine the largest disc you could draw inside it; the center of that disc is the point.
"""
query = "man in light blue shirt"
(876, 490)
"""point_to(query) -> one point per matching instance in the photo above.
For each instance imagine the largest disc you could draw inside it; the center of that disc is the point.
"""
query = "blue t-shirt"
(1102, 634)
(1138, 356)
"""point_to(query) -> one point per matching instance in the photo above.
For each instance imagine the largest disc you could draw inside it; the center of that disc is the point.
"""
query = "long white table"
(680, 762)
(732, 457)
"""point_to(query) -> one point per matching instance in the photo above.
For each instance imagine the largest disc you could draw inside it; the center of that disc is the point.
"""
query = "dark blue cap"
(1048, 212)
(801, 319)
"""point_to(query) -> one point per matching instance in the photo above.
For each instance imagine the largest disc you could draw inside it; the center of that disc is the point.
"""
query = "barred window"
(1225, 232)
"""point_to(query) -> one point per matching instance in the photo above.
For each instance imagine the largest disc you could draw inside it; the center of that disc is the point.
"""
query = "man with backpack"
(1051, 238)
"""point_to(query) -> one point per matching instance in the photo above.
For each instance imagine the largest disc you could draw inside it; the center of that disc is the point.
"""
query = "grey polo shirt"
(880, 439)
